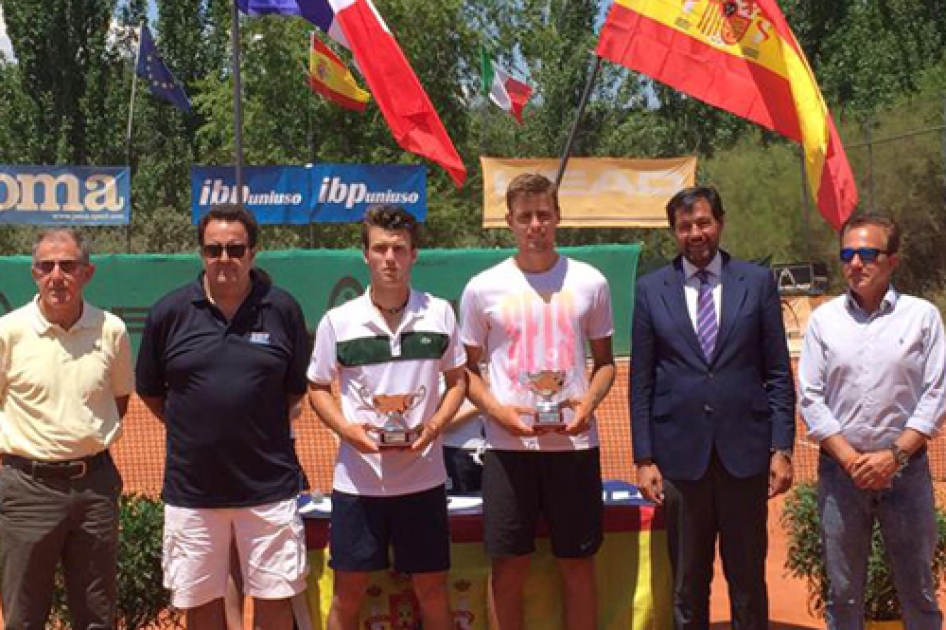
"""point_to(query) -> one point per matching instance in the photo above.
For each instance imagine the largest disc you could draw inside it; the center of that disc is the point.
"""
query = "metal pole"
(131, 105)
(128, 129)
(943, 156)
(237, 101)
(870, 167)
(581, 110)
(806, 208)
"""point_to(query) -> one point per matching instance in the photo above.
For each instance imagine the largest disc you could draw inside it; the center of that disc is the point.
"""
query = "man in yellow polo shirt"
(65, 378)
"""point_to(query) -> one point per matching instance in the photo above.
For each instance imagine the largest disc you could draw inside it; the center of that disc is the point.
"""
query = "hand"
(428, 433)
(780, 474)
(357, 435)
(651, 483)
(874, 471)
(510, 418)
(581, 421)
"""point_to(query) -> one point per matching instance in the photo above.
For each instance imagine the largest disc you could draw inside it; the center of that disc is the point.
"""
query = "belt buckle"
(83, 468)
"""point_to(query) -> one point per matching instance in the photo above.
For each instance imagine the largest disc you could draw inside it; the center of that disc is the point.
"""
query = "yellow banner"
(633, 577)
(595, 192)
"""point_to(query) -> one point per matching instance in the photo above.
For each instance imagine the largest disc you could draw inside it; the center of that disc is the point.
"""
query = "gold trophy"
(546, 385)
(394, 432)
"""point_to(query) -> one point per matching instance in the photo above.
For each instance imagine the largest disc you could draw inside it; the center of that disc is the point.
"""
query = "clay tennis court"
(140, 457)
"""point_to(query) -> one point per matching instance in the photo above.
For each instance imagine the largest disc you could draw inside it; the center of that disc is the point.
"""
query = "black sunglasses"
(866, 254)
(46, 267)
(215, 250)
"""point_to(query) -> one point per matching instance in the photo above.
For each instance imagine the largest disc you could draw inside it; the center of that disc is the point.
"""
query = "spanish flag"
(741, 56)
(329, 77)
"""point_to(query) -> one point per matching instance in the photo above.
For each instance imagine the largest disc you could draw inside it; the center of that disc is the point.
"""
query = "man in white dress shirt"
(871, 381)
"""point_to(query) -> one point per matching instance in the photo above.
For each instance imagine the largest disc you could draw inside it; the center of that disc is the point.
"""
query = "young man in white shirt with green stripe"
(388, 349)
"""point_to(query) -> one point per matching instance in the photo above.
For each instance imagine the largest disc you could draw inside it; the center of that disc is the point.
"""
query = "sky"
(4, 40)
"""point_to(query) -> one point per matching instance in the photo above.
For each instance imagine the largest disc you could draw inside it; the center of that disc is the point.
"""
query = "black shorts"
(562, 486)
(415, 526)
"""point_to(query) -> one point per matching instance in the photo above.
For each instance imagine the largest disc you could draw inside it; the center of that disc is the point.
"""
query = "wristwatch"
(784, 452)
(900, 456)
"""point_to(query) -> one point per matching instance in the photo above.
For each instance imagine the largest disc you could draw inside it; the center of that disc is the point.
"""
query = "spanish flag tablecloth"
(633, 570)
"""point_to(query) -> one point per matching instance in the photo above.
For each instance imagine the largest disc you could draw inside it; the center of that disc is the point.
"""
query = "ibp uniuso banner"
(321, 193)
(65, 195)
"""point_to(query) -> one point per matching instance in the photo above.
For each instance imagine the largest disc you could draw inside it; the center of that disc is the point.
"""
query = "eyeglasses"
(46, 267)
(866, 254)
(215, 250)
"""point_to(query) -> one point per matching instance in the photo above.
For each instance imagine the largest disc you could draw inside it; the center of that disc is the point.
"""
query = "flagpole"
(237, 101)
(581, 110)
(134, 91)
(131, 117)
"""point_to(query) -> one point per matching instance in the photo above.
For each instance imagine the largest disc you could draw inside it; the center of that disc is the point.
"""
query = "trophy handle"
(416, 398)
(364, 396)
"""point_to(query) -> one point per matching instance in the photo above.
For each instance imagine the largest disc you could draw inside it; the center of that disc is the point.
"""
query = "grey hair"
(70, 233)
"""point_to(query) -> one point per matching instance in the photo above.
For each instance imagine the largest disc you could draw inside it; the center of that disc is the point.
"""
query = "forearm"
(449, 404)
(602, 378)
(327, 410)
(481, 396)
(911, 441)
(840, 450)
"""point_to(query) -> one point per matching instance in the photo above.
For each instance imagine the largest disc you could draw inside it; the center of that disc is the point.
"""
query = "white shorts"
(269, 539)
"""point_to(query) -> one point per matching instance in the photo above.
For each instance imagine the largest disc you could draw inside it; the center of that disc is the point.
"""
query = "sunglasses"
(215, 250)
(46, 267)
(866, 254)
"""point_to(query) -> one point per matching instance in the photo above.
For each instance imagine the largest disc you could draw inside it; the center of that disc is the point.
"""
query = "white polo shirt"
(354, 344)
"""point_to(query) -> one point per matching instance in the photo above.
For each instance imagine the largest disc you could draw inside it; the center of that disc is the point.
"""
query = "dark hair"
(71, 233)
(687, 198)
(230, 212)
(393, 219)
(877, 218)
(531, 184)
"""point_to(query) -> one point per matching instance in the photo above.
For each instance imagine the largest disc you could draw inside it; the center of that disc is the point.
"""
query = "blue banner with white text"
(320, 193)
(65, 195)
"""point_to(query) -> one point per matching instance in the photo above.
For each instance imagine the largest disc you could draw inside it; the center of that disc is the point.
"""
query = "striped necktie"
(706, 325)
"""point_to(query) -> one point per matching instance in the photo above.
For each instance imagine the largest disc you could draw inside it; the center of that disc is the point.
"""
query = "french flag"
(317, 12)
(410, 115)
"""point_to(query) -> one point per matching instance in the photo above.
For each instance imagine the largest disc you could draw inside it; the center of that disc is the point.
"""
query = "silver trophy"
(546, 385)
(392, 408)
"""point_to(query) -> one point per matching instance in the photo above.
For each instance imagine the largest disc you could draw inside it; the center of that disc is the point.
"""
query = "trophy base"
(397, 439)
(548, 415)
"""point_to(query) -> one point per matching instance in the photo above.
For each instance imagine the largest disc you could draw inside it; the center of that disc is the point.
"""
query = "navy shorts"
(562, 486)
(414, 526)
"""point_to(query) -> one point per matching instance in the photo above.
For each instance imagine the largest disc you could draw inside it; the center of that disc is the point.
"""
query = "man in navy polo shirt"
(222, 363)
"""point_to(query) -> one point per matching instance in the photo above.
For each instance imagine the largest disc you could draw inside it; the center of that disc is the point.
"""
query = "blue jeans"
(908, 526)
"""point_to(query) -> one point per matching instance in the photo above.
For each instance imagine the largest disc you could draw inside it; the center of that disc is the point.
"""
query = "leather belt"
(69, 469)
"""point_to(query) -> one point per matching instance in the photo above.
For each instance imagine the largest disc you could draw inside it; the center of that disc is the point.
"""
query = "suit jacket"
(741, 402)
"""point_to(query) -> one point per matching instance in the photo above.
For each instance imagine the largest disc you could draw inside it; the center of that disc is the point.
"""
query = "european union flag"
(152, 69)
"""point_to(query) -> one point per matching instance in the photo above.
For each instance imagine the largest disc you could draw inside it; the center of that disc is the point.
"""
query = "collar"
(259, 290)
(377, 319)
(887, 304)
(42, 325)
(715, 267)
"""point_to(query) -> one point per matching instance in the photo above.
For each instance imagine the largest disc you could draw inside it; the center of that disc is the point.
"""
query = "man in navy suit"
(713, 411)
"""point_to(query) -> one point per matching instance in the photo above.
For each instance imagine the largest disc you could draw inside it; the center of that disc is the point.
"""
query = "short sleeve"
(601, 319)
(299, 338)
(323, 367)
(473, 325)
(149, 374)
(122, 374)
(455, 356)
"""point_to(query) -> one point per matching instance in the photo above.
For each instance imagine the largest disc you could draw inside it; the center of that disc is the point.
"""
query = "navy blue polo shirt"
(226, 388)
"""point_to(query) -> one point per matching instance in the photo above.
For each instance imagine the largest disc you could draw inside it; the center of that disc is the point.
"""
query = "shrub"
(806, 558)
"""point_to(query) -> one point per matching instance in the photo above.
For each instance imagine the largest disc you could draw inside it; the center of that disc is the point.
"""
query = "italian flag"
(510, 94)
